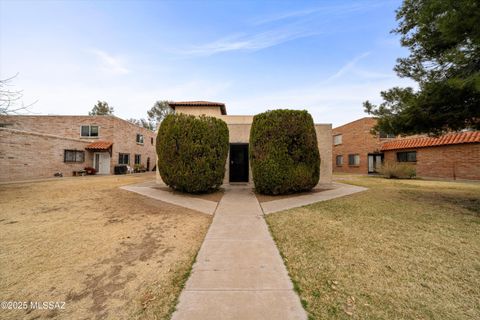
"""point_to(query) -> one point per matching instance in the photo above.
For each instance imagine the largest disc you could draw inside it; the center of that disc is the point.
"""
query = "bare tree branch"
(10, 100)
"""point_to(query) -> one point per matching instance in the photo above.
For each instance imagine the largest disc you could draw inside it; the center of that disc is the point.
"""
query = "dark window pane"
(123, 158)
(85, 131)
(94, 131)
(80, 156)
(353, 159)
(412, 156)
(69, 156)
(339, 160)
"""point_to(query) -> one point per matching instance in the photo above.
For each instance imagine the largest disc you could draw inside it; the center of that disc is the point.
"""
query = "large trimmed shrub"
(284, 152)
(192, 152)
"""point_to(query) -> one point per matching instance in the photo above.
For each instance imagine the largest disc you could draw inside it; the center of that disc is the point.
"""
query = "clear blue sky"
(323, 56)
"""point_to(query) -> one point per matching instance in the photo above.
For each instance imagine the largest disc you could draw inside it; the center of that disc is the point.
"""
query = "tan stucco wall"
(324, 138)
(239, 132)
(198, 111)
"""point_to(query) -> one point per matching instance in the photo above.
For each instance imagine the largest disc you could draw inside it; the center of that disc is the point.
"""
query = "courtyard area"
(406, 249)
(399, 249)
(106, 252)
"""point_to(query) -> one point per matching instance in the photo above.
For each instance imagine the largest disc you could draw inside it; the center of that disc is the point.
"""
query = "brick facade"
(356, 139)
(461, 161)
(33, 146)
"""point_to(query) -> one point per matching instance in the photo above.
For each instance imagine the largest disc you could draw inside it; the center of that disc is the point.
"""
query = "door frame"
(247, 164)
(374, 155)
(100, 154)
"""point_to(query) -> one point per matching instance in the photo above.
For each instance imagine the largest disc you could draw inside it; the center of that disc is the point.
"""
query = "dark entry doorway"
(374, 162)
(239, 162)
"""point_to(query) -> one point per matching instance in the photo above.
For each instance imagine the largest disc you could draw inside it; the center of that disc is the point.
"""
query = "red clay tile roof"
(174, 104)
(99, 145)
(422, 142)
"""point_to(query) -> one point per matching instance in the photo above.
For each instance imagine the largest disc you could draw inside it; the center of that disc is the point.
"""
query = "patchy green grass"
(407, 249)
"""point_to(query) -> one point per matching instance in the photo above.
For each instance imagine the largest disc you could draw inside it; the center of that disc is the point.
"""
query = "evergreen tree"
(443, 37)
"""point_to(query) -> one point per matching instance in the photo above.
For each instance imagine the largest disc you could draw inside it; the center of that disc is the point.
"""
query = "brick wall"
(447, 162)
(65, 131)
(124, 141)
(26, 155)
(356, 139)
(62, 126)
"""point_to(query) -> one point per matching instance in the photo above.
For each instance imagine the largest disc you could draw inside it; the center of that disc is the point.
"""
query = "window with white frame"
(139, 138)
(89, 131)
(337, 139)
(138, 158)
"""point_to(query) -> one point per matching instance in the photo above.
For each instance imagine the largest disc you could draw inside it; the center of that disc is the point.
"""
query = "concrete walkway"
(239, 273)
(337, 190)
(149, 189)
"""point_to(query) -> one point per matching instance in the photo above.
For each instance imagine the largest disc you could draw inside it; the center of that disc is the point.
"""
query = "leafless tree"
(11, 100)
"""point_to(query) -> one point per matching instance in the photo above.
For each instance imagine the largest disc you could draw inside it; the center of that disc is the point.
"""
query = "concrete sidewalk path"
(149, 189)
(239, 273)
(337, 190)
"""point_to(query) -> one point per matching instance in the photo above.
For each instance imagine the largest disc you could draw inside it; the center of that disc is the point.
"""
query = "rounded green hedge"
(284, 152)
(192, 152)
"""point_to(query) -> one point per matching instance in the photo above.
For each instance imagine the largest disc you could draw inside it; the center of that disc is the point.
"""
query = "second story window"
(139, 138)
(384, 135)
(89, 131)
(337, 139)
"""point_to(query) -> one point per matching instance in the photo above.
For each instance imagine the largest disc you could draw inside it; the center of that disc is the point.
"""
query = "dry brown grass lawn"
(404, 249)
(108, 253)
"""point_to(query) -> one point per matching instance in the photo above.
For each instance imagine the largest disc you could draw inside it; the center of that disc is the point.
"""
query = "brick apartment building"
(40, 146)
(356, 149)
(451, 156)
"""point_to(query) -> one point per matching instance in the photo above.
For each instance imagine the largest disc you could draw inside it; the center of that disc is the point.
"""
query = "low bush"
(394, 170)
(192, 152)
(284, 152)
(90, 170)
